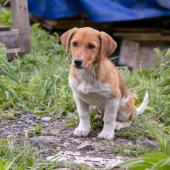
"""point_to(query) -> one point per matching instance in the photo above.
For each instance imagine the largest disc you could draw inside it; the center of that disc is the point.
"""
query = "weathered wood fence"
(17, 38)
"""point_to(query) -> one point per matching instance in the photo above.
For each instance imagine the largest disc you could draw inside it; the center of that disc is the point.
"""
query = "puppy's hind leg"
(122, 125)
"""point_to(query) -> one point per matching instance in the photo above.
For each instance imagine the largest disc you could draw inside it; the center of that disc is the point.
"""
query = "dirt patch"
(57, 142)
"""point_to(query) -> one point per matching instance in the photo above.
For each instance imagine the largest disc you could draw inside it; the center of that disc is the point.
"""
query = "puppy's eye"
(74, 44)
(91, 46)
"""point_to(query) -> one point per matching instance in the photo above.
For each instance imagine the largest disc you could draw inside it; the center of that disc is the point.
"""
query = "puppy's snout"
(78, 62)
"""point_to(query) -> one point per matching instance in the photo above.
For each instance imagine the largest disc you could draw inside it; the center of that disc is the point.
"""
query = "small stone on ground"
(46, 119)
(85, 146)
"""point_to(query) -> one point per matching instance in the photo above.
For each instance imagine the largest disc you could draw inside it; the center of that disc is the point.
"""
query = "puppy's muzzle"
(78, 63)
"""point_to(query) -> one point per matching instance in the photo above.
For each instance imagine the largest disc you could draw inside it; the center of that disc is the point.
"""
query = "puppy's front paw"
(79, 132)
(106, 135)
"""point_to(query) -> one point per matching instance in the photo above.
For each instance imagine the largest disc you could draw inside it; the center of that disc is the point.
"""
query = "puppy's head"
(87, 46)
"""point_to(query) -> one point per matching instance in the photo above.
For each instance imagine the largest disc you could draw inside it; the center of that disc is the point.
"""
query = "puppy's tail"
(143, 106)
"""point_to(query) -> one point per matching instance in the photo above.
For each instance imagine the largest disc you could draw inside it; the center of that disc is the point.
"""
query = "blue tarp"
(100, 10)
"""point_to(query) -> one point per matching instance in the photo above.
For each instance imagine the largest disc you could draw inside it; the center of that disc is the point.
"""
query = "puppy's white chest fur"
(89, 89)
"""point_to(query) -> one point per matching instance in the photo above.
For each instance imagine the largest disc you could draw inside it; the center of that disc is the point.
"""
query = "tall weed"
(159, 160)
(38, 81)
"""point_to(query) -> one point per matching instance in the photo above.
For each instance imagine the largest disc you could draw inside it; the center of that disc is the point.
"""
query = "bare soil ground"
(55, 141)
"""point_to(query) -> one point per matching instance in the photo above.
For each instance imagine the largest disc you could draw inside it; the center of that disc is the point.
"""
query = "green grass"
(152, 160)
(17, 157)
(38, 82)
(24, 157)
(135, 132)
(128, 150)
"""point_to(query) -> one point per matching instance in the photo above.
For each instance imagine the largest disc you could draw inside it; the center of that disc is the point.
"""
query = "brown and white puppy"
(95, 81)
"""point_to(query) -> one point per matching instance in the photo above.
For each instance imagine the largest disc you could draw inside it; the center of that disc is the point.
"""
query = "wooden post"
(129, 53)
(10, 38)
(20, 19)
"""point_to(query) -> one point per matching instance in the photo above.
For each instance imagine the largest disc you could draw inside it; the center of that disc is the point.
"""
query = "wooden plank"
(10, 38)
(4, 28)
(135, 30)
(20, 19)
(144, 37)
(67, 23)
(162, 31)
(13, 53)
(14, 50)
(145, 58)
(129, 53)
(146, 34)
(138, 56)
(151, 39)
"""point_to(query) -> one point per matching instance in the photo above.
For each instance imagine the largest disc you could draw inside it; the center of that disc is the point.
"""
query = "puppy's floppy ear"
(108, 45)
(66, 37)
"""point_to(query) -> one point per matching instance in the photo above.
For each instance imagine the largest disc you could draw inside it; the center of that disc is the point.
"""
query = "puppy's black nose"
(78, 62)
